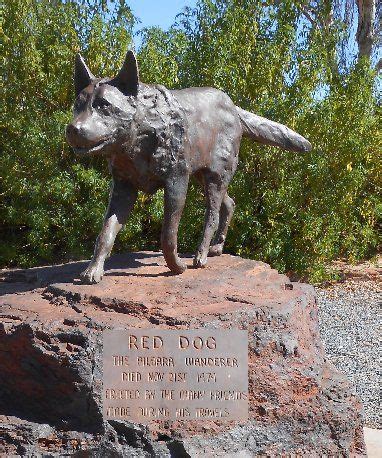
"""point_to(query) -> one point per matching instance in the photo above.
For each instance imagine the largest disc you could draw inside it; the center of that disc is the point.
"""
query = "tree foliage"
(297, 212)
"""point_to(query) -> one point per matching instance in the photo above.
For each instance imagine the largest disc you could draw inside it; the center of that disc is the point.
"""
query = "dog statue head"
(103, 109)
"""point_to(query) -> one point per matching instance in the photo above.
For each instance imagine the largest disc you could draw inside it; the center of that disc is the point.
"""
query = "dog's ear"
(127, 80)
(82, 75)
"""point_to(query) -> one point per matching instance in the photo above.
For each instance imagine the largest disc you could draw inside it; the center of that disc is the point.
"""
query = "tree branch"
(365, 31)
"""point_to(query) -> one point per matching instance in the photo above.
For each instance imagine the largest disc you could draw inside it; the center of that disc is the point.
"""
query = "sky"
(162, 13)
(158, 12)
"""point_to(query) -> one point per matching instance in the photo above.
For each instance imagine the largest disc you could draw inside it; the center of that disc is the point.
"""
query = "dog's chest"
(136, 170)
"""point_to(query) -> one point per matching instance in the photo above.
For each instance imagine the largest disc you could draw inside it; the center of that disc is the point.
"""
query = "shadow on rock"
(22, 280)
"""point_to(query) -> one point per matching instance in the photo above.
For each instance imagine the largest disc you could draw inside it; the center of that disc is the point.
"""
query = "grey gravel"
(350, 325)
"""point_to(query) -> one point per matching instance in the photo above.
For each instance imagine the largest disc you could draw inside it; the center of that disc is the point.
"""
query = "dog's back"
(213, 128)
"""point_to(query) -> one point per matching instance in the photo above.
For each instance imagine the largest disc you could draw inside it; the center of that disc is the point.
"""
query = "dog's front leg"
(122, 199)
(175, 192)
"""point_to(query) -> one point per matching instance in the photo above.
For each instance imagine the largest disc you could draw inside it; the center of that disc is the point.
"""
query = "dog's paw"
(92, 275)
(200, 260)
(178, 268)
(216, 250)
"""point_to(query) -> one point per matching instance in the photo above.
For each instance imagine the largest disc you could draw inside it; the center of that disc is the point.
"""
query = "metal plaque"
(161, 374)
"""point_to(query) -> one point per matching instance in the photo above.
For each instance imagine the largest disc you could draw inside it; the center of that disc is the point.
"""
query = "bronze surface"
(157, 138)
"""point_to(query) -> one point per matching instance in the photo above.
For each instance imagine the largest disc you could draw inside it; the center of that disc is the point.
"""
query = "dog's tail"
(272, 133)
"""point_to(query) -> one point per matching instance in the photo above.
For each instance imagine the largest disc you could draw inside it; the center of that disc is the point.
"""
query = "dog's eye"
(79, 102)
(101, 103)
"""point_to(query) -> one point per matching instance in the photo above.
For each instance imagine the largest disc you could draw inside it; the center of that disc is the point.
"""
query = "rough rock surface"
(51, 349)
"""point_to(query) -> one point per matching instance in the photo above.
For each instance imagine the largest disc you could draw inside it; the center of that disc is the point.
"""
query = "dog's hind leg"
(214, 193)
(226, 211)
(122, 199)
(175, 192)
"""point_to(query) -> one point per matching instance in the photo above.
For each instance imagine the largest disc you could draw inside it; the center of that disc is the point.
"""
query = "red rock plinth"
(51, 349)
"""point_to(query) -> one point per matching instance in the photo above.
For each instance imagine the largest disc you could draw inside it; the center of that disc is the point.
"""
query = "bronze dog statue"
(158, 138)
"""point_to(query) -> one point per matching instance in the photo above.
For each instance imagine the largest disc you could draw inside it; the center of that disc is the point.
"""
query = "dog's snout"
(77, 135)
(71, 130)
(72, 134)
(76, 129)
(85, 132)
